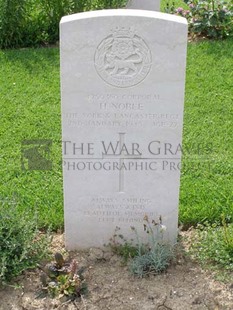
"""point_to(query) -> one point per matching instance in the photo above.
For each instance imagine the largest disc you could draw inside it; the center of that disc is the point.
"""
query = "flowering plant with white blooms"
(150, 256)
(155, 256)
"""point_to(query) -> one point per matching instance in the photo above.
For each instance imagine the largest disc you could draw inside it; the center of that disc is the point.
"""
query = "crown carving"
(120, 32)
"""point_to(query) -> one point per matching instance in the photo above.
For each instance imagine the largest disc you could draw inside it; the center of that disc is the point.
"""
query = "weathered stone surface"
(122, 86)
(151, 5)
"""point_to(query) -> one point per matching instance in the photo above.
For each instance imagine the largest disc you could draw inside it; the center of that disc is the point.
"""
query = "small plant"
(63, 279)
(120, 246)
(209, 18)
(22, 246)
(228, 236)
(213, 245)
(150, 258)
(156, 255)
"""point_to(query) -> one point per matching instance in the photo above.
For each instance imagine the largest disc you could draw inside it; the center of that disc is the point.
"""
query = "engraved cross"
(121, 158)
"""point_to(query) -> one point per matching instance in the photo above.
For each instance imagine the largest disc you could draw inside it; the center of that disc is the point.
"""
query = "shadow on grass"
(33, 60)
(217, 48)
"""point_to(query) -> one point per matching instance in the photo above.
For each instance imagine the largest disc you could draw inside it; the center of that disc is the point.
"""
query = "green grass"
(206, 191)
(21, 244)
(164, 4)
(30, 109)
(212, 247)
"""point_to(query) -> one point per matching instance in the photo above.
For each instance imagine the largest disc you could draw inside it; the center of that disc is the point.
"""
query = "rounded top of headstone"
(123, 12)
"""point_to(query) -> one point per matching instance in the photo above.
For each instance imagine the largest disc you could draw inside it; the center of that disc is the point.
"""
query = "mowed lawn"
(30, 109)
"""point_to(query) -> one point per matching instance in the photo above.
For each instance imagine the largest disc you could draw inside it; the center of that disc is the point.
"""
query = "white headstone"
(122, 86)
(151, 5)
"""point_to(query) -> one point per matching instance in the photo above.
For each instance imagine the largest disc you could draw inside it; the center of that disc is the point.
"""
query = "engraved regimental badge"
(123, 59)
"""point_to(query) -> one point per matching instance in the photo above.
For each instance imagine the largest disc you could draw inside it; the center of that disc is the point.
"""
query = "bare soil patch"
(184, 286)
